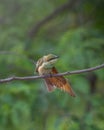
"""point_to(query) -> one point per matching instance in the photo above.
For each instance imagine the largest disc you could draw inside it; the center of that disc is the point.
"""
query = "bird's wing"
(62, 83)
(59, 82)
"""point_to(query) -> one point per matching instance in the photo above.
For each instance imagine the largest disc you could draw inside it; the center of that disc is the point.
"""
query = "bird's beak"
(56, 57)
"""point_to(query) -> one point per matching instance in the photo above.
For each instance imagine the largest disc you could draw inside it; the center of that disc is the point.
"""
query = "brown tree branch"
(55, 75)
(56, 12)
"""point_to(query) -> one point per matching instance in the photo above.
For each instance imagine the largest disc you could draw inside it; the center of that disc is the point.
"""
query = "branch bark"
(55, 75)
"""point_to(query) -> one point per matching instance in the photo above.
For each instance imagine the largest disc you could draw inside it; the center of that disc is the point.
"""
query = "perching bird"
(45, 66)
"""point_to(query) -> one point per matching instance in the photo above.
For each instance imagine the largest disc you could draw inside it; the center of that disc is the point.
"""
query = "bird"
(46, 66)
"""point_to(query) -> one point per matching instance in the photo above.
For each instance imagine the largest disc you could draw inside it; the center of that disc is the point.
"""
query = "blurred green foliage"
(77, 36)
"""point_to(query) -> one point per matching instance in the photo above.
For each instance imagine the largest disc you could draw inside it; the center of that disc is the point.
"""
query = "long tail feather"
(63, 84)
(67, 88)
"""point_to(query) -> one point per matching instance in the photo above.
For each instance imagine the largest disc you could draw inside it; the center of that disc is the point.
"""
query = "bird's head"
(47, 61)
(50, 58)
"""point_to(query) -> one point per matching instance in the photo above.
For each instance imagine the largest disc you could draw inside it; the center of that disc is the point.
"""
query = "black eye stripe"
(51, 59)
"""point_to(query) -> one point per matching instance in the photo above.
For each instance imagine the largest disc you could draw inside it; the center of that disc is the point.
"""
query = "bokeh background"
(73, 30)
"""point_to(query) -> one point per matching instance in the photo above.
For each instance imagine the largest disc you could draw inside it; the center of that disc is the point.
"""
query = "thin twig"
(55, 75)
(67, 6)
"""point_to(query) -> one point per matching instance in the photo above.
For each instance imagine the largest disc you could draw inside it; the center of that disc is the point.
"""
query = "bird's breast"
(43, 71)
